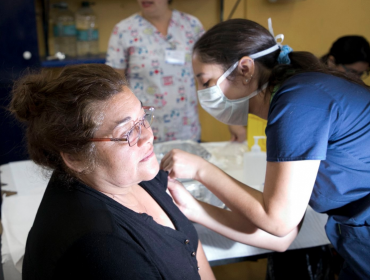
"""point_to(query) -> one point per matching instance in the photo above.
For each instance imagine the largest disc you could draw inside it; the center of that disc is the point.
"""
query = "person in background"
(318, 135)
(350, 54)
(153, 48)
(105, 213)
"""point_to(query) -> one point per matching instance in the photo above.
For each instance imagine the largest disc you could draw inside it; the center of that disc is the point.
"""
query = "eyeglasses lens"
(148, 119)
(134, 135)
(361, 75)
(135, 132)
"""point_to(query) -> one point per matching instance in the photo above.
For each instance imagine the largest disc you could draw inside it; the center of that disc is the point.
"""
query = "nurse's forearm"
(238, 228)
(242, 199)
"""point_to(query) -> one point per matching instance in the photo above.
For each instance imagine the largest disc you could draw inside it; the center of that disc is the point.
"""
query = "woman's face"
(358, 68)
(118, 164)
(153, 7)
(208, 74)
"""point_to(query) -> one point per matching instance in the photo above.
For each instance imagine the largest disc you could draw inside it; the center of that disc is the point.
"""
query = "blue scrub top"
(315, 116)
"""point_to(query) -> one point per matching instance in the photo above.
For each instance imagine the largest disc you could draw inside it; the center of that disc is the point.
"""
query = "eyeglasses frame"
(362, 75)
(138, 124)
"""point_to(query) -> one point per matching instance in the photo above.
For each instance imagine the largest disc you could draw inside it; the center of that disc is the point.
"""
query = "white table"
(18, 212)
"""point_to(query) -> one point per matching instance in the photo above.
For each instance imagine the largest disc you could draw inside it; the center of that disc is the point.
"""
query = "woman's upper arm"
(205, 269)
(287, 191)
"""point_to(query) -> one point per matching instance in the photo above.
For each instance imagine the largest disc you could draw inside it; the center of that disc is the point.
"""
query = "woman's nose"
(146, 136)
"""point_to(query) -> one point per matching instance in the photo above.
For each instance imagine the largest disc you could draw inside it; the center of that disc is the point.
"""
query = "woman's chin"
(151, 170)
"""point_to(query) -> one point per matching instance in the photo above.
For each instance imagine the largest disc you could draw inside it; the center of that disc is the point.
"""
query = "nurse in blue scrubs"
(318, 142)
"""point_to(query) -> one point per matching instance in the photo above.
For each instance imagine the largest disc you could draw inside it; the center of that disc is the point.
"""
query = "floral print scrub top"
(159, 71)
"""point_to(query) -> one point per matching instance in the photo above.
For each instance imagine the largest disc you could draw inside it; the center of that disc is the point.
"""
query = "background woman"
(318, 134)
(350, 54)
(154, 49)
(105, 213)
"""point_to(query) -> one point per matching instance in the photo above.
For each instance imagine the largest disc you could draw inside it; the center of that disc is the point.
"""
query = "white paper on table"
(28, 177)
(312, 232)
(6, 179)
(226, 155)
(18, 215)
(9, 269)
(5, 252)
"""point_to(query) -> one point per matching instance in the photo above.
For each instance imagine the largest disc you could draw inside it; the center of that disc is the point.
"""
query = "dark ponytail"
(303, 62)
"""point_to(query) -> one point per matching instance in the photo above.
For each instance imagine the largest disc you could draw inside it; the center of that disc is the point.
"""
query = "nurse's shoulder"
(319, 90)
(309, 89)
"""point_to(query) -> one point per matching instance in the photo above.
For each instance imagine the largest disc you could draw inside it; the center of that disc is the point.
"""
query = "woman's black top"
(79, 233)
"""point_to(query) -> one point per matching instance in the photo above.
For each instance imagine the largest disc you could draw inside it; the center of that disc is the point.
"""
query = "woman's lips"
(148, 156)
(146, 4)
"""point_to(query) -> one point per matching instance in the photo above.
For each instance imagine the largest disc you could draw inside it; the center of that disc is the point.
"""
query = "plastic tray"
(161, 149)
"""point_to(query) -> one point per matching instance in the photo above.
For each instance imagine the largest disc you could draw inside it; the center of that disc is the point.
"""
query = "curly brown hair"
(61, 113)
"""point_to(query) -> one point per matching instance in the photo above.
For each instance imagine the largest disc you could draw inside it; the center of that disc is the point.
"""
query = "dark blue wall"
(18, 34)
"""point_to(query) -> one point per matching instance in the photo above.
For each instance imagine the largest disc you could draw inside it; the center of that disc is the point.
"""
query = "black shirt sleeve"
(105, 256)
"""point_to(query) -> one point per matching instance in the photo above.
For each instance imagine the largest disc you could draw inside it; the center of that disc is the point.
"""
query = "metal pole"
(234, 8)
(45, 25)
(221, 10)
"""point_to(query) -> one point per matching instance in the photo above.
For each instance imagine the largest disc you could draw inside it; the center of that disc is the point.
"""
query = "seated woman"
(105, 213)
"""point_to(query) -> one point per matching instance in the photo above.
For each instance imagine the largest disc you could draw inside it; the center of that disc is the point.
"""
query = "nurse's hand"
(238, 133)
(180, 164)
(187, 204)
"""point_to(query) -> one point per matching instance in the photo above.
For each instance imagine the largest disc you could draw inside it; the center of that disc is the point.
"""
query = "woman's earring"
(247, 80)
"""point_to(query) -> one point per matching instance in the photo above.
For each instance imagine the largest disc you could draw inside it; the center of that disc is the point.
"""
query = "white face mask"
(234, 112)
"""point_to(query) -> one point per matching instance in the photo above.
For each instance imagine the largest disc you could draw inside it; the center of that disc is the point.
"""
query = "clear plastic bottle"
(87, 30)
(64, 30)
(254, 165)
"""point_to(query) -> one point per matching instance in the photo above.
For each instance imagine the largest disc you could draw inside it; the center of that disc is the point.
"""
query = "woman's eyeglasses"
(133, 135)
(362, 75)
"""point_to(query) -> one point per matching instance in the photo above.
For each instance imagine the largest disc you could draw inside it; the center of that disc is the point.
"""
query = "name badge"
(175, 57)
